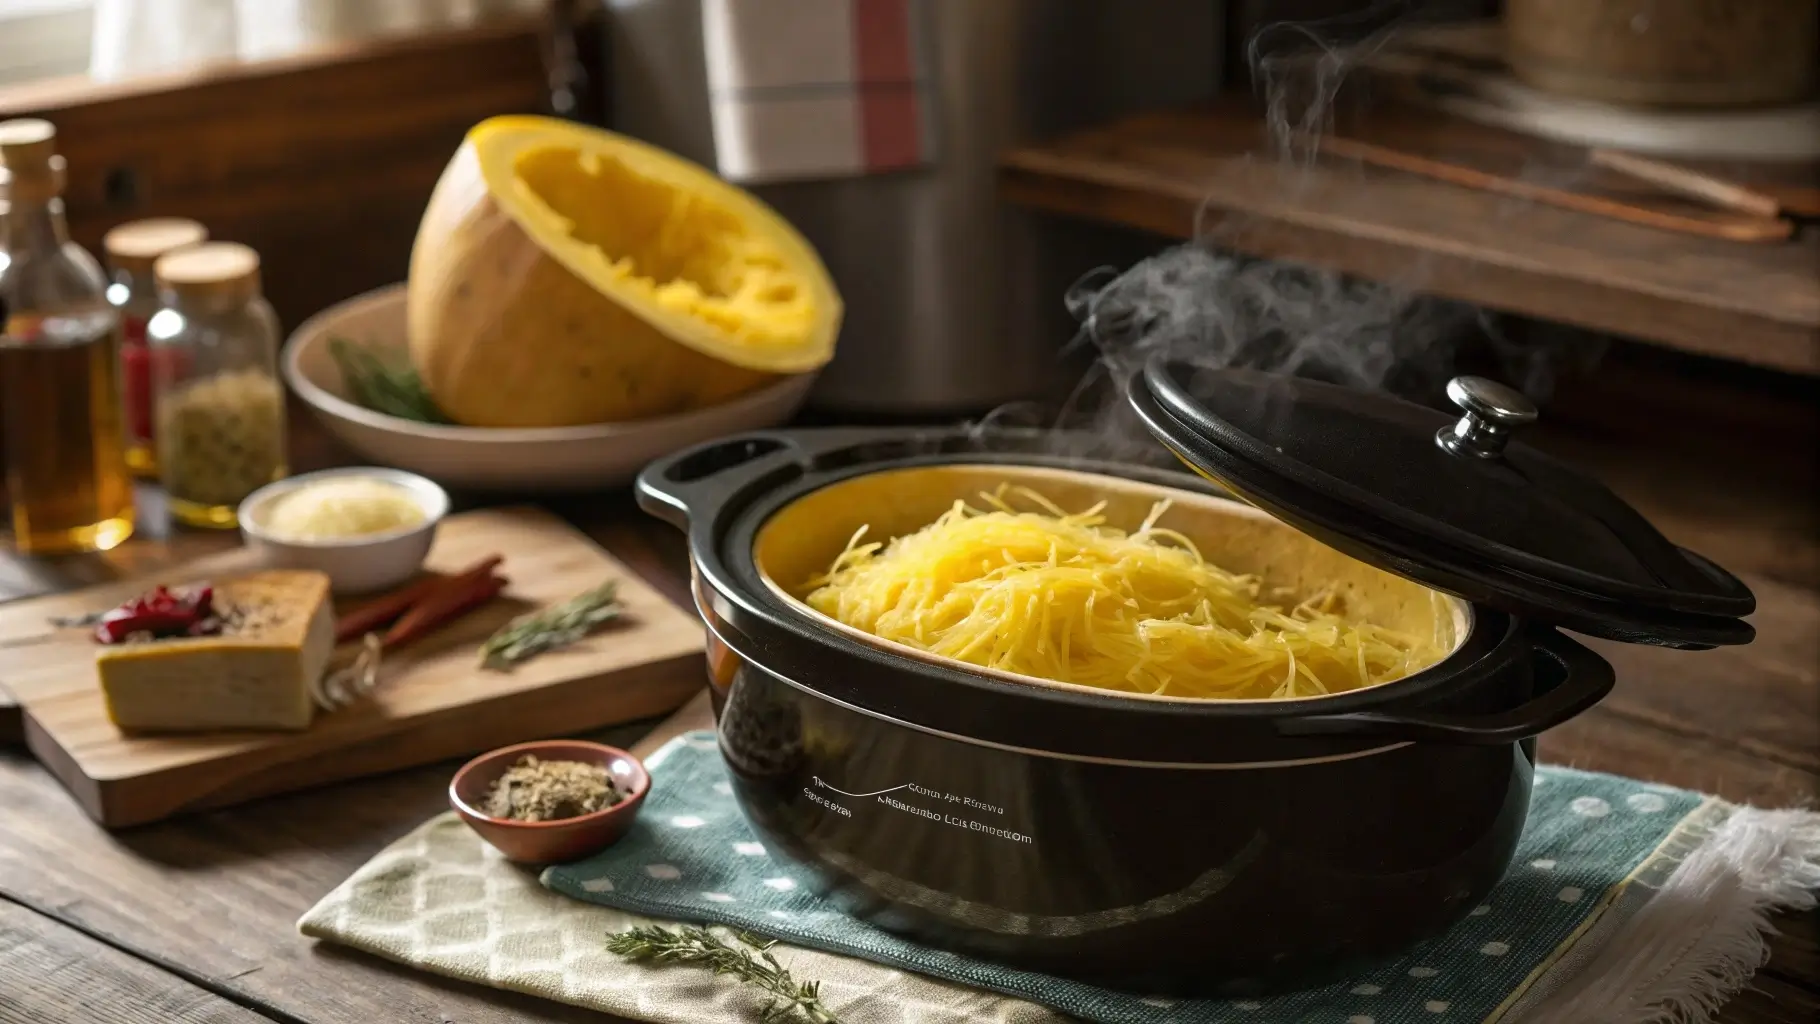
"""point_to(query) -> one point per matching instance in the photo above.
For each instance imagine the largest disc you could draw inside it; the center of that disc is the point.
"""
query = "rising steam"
(1201, 304)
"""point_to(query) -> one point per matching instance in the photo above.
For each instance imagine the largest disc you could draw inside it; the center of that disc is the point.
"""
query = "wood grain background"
(323, 163)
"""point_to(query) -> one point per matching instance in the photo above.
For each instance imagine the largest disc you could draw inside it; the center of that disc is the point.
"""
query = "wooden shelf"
(1208, 172)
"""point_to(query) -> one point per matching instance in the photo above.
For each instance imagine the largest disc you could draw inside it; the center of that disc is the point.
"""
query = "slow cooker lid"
(1454, 504)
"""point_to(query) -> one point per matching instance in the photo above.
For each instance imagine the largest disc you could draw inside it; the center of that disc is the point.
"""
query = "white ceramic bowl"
(542, 459)
(356, 565)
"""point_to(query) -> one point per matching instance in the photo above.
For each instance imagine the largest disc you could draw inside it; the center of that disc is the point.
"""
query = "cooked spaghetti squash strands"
(1057, 595)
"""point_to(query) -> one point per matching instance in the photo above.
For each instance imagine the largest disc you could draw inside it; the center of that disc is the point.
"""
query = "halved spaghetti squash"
(566, 275)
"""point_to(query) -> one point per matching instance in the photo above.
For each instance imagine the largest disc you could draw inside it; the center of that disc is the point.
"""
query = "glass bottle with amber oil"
(217, 406)
(5, 206)
(132, 248)
(66, 473)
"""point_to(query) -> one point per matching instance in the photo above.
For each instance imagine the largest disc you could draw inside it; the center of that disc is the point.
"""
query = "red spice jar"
(132, 249)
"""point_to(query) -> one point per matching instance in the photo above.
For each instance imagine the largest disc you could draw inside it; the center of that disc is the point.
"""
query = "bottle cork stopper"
(27, 140)
(28, 154)
(136, 245)
(210, 271)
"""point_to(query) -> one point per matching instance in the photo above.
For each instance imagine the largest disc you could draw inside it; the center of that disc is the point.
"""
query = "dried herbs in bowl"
(535, 789)
(550, 801)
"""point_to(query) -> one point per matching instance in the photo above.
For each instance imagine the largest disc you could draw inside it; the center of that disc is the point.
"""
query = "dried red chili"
(161, 612)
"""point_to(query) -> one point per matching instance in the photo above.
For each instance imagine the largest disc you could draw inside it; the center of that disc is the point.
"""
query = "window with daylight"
(44, 38)
(190, 108)
(110, 40)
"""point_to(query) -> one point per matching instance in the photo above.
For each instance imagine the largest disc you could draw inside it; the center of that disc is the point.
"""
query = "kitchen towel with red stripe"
(816, 89)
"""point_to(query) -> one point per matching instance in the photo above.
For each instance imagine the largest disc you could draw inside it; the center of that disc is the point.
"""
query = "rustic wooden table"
(193, 920)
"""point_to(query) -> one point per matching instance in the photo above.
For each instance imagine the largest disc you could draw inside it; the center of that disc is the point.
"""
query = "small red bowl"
(550, 842)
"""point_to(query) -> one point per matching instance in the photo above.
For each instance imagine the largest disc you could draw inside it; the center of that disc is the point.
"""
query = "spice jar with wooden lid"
(218, 407)
(132, 248)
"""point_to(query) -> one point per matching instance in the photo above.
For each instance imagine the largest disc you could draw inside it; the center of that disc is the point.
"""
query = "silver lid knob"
(1493, 412)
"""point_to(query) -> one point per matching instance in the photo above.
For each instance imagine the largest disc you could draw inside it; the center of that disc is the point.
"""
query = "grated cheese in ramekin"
(340, 509)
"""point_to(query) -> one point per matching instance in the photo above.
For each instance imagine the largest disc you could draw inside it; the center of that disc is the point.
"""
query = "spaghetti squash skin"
(564, 276)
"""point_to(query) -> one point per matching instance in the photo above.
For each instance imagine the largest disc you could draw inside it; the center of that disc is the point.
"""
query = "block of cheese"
(278, 634)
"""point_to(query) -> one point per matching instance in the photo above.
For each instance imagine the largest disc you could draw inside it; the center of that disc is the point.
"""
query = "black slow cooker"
(1179, 846)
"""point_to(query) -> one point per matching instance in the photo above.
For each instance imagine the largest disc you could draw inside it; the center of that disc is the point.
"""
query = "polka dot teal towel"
(1626, 899)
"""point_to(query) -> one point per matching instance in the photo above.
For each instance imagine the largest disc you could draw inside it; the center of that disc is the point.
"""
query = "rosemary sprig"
(790, 1000)
(559, 626)
(386, 386)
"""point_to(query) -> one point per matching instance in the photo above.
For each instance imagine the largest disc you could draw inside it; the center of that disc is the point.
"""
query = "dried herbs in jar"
(220, 409)
(221, 438)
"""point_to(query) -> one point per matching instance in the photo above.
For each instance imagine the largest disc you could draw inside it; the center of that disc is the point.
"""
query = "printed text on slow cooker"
(884, 797)
(829, 804)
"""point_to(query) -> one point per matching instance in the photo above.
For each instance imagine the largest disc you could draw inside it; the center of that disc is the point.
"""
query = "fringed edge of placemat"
(1690, 938)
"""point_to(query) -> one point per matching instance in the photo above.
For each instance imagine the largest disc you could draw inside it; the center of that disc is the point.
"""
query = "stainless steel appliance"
(954, 301)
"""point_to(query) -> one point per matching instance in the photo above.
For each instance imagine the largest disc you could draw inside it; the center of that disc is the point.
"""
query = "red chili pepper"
(160, 613)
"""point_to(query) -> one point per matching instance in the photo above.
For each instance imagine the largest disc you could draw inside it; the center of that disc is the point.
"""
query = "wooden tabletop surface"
(194, 920)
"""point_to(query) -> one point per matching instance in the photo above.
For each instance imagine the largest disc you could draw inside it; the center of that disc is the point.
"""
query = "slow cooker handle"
(676, 486)
(1585, 680)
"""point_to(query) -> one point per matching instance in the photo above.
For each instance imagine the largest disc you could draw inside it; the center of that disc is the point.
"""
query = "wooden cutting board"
(435, 701)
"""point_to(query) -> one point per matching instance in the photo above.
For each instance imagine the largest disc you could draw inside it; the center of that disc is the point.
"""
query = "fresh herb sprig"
(530, 635)
(791, 1000)
(388, 386)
